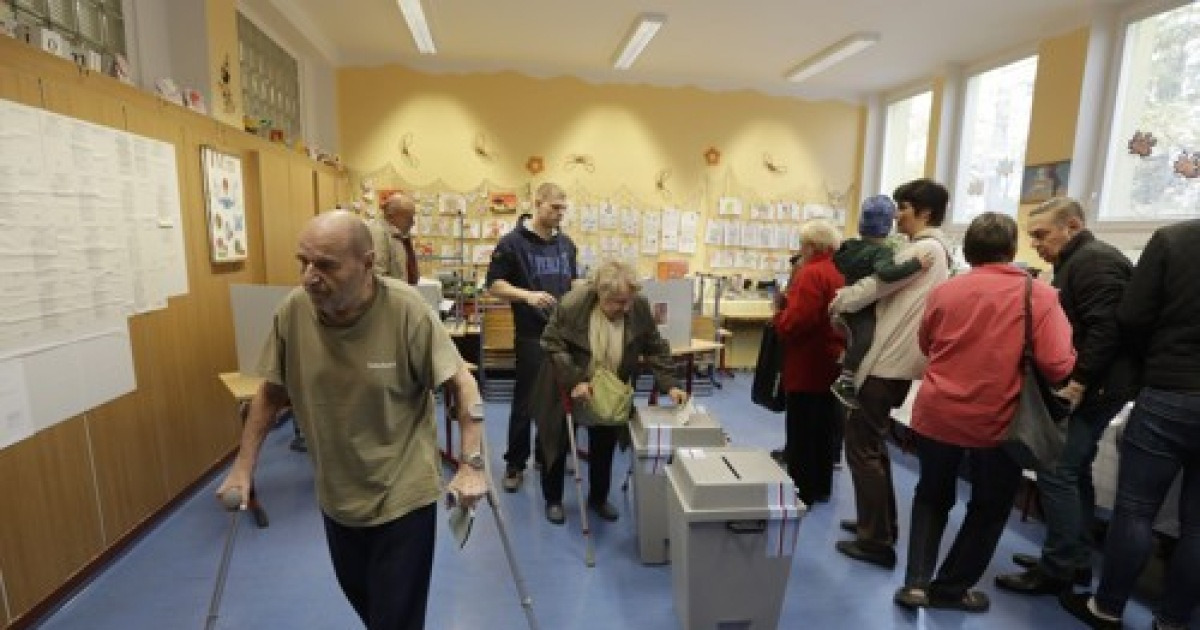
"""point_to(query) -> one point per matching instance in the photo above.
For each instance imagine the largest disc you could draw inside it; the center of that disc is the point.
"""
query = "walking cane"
(502, 528)
(590, 553)
(232, 500)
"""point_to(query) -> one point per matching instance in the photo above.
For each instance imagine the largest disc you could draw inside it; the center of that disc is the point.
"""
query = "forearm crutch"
(232, 500)
(502, 528)
(590, 552)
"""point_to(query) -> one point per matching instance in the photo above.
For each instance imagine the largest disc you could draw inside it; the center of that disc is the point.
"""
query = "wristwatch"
(474, 460)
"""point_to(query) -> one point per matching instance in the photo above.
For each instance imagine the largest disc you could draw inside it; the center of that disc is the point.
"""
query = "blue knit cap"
(878, 212)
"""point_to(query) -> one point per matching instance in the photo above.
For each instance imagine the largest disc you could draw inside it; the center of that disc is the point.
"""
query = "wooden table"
(243, 388)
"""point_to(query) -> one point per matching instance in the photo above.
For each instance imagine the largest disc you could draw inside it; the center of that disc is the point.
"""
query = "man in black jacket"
(1160, 314)
(1090, 276)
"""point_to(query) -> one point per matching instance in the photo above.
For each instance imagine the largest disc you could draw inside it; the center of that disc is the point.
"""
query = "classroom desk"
(243, 388)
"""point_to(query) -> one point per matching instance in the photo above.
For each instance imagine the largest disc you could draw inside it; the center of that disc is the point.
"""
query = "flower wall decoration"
(712, 156)
(1187, 165)
(535, 164)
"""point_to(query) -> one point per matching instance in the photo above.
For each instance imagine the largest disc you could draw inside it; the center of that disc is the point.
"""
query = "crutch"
(502, 528)
(590, 553)
(232, 500)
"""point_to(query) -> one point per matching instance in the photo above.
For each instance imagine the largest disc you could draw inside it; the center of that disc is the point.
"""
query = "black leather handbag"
(767, 388)
(1038, 431)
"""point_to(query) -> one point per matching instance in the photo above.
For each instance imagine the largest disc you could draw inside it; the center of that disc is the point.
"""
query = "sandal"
(970, 601)
(911, 597)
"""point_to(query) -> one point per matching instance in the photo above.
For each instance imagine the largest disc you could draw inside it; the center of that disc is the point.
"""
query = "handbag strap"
(1027, 351)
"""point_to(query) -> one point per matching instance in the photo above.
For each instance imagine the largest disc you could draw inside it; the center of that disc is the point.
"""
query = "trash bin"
(733, 519)
(656, 432)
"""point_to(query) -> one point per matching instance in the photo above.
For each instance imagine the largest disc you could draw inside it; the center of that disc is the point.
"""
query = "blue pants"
(1068, 498)
(1163, 437)
(384, 570)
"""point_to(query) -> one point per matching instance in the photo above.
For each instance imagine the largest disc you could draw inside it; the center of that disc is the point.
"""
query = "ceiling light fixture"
(643, 31)
(832, 56)
(414, 15)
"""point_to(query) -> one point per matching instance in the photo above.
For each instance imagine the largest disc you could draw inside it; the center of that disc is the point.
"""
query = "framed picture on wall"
(1043, 181)
(224, 199)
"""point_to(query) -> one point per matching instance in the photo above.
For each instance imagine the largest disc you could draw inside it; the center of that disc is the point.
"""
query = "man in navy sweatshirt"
(531, 268)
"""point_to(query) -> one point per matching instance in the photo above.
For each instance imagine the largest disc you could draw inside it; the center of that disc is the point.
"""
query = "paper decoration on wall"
(816, 211)
(787, 211)
(495, 228)
(773, 166)
(587, 256)
(608, 216)
(581, 161)
(589, 219)
(712, 156)
(482, 254)
(452, 203)
(794, 238)
(729, 207)
(733, 234)
(424, 226)
(629, 250)
(423, 248)
(629, 221)
(749, 234)
(535, 164)
(661, 183)
(761, 211)
(610, 247)
(651, 222)
(714, 233)
(1142, 144)
(225, 201)
(670, 230)
(449, 251)
(688, 223)
(225, 83)
(482, 150)
(406, 151)
(502, 202)
(443, 227)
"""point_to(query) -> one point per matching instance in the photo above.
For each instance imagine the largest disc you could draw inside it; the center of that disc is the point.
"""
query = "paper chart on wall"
(650, 232)
(609, 216)
(629, 221)
(629, 251)
(688, 224)
(733, 234)
(589, 219)
(670, 230)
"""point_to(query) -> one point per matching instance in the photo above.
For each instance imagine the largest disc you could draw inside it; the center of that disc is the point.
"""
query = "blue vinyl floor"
(280, 577)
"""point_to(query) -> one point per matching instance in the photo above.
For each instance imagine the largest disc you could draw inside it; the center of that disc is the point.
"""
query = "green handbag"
(612, 399)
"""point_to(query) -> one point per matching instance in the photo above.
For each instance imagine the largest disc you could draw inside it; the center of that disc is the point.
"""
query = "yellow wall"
(222, 46)
(1056, 93)
(630, 132)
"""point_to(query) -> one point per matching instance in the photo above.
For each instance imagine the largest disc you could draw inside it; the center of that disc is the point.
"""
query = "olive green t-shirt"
(363, 395)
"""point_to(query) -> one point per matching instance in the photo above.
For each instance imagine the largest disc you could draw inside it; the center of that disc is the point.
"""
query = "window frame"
(1126, 232)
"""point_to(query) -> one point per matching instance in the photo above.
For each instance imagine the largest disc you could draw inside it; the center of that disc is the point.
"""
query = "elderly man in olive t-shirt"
(357, 357)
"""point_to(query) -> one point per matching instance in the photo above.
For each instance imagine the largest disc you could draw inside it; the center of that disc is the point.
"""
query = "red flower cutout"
(1188, 165)
(712, 156)
(535, 165)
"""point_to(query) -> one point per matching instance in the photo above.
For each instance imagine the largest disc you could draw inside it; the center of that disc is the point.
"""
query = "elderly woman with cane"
(604, 324)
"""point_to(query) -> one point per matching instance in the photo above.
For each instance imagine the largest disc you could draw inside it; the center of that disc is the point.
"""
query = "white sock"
(1095, 610)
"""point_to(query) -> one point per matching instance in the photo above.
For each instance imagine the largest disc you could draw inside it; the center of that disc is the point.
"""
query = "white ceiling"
(713, 44)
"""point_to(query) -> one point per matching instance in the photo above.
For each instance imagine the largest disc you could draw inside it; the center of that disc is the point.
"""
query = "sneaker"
(555, 513)
(512, 479)
(845, 391)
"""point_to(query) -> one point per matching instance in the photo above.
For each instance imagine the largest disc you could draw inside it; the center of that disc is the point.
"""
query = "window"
(1158, 93)
(95, 24)
(995, 129)
(905, 141)
(270, 80)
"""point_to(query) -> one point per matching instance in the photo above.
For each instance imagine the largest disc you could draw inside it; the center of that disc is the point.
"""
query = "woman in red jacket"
(810, 364)
(973, 332)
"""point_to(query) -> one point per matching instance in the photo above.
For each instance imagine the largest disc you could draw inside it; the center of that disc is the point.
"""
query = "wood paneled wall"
(70, 493)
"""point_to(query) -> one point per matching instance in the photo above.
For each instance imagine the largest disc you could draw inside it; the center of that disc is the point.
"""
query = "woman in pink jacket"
(973, 333)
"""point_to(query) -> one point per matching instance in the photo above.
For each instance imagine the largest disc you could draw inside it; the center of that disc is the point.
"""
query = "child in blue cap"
(859, 258)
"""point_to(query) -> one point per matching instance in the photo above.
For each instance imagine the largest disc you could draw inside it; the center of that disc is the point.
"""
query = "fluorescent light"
(415, 16)
(646, 28)
(833, 55)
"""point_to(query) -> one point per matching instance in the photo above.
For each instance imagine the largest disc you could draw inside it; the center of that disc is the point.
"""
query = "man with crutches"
(601, 328)
(358, 358)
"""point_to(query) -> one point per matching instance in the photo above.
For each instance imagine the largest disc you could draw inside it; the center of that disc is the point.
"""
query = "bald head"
(400, 210)
(341, 230)
(336, 260)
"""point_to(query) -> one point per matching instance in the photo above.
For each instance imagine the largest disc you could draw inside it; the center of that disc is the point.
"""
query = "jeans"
(870, 465)
(529, 356)
(1068, 498)
(384, 570)
(1162, 438)
(859, 328)
(810, 424)
(994, 480)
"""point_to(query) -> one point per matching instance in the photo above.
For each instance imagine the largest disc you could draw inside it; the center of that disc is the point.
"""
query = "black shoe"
(1032, 582)
(884, 557)
(555, 513)
(1077, 605)
(512, 479)
(849, 525)
(970, 601)
(1083, 577)
(606, 511)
